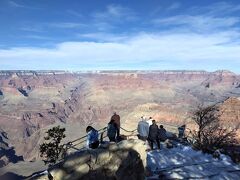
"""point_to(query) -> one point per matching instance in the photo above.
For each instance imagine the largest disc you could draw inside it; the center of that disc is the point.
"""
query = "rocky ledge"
(125, 160)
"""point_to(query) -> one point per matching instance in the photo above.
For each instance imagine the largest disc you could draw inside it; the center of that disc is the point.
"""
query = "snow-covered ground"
(182, 162)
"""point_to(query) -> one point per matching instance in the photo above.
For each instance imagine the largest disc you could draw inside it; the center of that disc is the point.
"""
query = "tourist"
(143, 129)
(162, 133)
(181, 131)
(153, 135)
(92, 137)
(149, 121)
(116, 119)
(112, 131)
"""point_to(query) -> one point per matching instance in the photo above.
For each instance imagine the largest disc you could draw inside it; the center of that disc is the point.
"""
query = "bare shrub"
(210, 134)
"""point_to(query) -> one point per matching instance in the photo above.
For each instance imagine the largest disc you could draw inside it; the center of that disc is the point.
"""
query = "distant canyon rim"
(33, 101)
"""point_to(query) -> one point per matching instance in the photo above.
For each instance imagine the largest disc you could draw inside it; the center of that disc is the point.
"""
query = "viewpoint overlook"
(119, 90)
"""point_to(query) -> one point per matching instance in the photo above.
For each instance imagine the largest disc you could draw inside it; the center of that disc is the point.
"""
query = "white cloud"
(161, 8)
(115, 12)
(174, 6)
(142, 49)
(105, 37)
(75, 13)
(66, 25)
(203, 40)
(37, 37)
(36, 29)
(44, 27)
(14, 4)
(111, 17)
(220, 8)
(199, 22)
(102, 26)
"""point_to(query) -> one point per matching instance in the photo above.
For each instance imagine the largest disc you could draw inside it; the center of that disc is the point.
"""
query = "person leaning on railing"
(92, 137)
(116, 119)
(112, 131)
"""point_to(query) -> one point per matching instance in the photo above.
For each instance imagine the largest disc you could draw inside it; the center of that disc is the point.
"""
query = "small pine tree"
(52, 148)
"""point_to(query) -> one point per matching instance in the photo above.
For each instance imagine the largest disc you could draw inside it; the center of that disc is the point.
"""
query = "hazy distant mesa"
(54, 72)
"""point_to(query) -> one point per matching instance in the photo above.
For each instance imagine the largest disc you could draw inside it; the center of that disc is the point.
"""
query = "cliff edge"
(125, 160)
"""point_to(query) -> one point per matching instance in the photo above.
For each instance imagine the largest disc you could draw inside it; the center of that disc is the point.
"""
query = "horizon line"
(118, 70)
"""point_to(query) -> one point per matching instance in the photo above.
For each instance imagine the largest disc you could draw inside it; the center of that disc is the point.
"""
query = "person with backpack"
(92, 138)
(153, 135)
(162, 133)
(112, 131)
(116, 119)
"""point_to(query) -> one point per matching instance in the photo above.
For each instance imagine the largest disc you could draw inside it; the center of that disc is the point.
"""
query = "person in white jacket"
(143, 129)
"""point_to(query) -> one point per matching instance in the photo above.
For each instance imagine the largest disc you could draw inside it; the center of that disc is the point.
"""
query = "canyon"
(33, 101)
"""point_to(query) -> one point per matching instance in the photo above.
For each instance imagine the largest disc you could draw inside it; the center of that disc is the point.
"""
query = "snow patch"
(183, 162)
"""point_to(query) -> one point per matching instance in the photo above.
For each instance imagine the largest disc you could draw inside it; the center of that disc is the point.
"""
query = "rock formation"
(230, 109)
(7, 153)
(125, 160)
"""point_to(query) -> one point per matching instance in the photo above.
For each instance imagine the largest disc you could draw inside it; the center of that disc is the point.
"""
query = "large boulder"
(125, 160)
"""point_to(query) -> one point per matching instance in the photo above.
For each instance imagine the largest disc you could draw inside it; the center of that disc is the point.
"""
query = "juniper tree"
(51, 149)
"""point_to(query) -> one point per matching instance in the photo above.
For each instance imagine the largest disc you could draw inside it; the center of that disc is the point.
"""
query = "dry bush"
(210, 134)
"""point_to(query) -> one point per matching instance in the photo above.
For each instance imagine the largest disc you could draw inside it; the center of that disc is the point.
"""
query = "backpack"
(95, 135)
(162, 134)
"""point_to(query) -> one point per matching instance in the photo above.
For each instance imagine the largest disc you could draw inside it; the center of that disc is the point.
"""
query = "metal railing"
(79, 143)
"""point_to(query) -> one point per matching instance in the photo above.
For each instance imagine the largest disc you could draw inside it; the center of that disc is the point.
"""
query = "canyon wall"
(32, 101)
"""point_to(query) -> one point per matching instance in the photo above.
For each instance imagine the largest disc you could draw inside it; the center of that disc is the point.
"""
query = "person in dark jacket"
(116, 119)
(92, 137)
(162, 133)
(153, 135)
(181, 131)
(112, 131)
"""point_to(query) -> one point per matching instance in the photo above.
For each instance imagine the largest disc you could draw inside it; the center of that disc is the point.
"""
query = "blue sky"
(120, 34)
